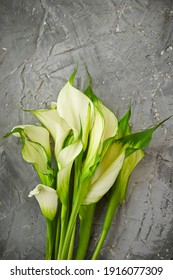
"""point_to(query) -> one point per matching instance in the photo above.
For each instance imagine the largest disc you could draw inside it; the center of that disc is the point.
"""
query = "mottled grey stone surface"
(128, 48)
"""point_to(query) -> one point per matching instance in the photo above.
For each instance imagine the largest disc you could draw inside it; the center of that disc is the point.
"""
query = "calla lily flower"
(94, 153)
(105, 174)
(76, 109)
(36, 134)
(66, 158)
(36, 149)
(47, 199)
(94, 144)
(110, 120)
(57, 127)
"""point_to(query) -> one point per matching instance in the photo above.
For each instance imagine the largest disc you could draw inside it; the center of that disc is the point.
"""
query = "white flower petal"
(95, 142)
(47, 199)
(37, 134)
(111, 122)
(72, 106)
(53, 122)
(69, 153)
(105, 175)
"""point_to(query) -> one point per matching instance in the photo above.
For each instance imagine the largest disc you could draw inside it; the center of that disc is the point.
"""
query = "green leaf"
(123, 125)
(72, 77)
(139, 140)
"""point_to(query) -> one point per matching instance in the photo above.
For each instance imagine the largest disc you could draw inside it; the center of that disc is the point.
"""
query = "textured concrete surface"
(128, 48)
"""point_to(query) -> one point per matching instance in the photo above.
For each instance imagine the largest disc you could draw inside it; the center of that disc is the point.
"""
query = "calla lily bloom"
(94, 154)
(66, 159)
(36, 149)
(36, 134)
(105, 174)
(47, 199)
(57, 127)
(76, 109)
(110, 120)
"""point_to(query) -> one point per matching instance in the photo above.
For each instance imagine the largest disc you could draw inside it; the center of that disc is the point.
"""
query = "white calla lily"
(36, 149)
(95, 139)
(47, 199)
(52, 121)
(34, 153)
(105, 174)
(66, 158)
(69, 153)
(72, 106)
(110, 120)
(36, 134)
(57, 126)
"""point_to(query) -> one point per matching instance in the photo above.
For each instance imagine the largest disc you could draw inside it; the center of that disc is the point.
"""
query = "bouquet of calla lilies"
(81, 153)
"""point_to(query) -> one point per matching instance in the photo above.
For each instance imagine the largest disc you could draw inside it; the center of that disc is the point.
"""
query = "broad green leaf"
(139, 140)
(72, 106)
(47, 199)
(105, 174)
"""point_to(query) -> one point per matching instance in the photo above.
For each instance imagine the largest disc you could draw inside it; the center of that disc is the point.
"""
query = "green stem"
(49, 238)
(70, 252)
(86, 218)
(114, 202)
(64, 224)
(117, 195)
(77, 175)
(58, 230)
(75, 209)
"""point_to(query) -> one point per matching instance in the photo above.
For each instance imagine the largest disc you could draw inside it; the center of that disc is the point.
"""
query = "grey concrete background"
(128, 48)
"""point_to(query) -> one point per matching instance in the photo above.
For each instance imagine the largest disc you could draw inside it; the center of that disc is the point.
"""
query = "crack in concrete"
(42, 25)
